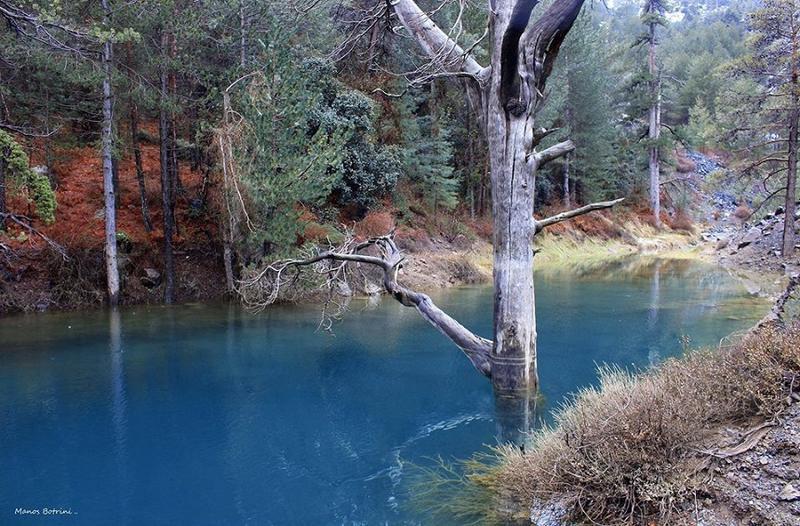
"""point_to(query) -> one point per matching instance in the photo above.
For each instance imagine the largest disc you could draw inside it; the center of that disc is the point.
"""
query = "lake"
(208, 415)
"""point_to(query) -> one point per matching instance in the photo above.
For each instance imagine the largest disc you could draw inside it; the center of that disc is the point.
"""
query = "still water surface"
(207, 415)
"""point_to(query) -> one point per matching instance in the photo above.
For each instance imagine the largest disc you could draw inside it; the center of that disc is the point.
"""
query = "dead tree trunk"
(506, 96)
(109, 190)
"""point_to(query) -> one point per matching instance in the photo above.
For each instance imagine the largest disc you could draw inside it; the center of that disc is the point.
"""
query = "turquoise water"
(207, 415)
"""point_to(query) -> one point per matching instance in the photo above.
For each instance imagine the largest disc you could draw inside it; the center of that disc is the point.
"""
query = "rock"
(151, 278)
(753, 235)
(789, 493)
(548, 513)
(722, 243)
(371, 289)
(343, 288)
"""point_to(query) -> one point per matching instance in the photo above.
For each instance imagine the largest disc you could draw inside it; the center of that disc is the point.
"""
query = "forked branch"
(564, 216)
(381, 253)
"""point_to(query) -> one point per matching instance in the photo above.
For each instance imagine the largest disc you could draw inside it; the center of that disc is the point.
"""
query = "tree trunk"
(112, 272)
(791, 176)
(791, 189)
(137, 156)
(166, 184)
(509, 92)
(242, 35)
(3, 169)
(513, 179)
(565, 188)
(655, 129)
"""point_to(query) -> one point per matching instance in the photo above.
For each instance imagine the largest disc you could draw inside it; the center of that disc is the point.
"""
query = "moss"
(36, 185)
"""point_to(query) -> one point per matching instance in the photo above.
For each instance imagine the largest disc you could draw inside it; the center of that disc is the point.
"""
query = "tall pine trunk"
(655, 129)
(791, 176)
(3, 169)
(565, 186)
(791, 189)
(165, 141)
(109, 190)
(137, 156)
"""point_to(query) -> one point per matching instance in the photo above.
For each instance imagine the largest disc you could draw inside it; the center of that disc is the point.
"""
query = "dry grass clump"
(742, 212)
(623, 453)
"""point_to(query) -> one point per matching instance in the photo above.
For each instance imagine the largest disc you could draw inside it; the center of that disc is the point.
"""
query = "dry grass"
(623, 453)
(742, 212)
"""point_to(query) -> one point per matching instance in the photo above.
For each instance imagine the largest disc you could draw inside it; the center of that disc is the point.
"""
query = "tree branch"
(554, 152)
(542, 40)
(541, 133)
(49, 33)
(437, 45)
(390, 260)
(25, 222)
(563, 216)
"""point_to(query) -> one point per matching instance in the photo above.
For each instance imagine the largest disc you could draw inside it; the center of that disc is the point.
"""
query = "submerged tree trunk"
(655, 129)
(166, 184)
(508, 93)
(109, 190)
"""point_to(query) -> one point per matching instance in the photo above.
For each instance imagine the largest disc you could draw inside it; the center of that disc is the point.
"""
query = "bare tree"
(506, 96)
(109, 187)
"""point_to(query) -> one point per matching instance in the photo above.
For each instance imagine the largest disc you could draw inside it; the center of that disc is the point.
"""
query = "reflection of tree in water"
(119, 406)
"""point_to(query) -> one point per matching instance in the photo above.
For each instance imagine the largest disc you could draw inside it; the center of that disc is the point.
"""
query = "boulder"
(752, 236)
(151, 278)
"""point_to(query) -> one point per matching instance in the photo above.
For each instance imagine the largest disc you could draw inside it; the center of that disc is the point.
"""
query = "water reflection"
(118, 409)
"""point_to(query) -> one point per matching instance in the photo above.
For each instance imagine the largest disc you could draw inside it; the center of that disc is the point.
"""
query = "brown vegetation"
(742, 212)
(630, 451)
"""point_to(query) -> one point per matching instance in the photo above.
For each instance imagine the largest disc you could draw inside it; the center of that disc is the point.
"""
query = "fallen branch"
(25, 222)
(751, 438)
(389, 260)
(564, 216)
(778, 309)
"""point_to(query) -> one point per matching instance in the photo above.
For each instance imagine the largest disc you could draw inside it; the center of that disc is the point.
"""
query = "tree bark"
(791, 189)
(137, 156)
(791, 176)
(109, 190)
(565, 187)
(242, 35)
(166, 182)
(654, 133)
(3, 169)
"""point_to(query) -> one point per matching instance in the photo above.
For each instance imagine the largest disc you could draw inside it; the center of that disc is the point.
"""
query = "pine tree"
(773, 63)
